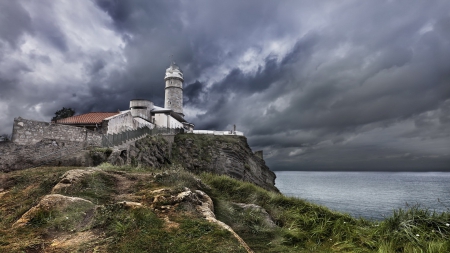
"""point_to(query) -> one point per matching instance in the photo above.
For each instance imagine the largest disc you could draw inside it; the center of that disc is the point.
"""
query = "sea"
(370, 195)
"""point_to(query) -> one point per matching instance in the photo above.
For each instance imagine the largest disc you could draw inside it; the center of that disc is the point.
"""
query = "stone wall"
(27, 132)
(45, 152)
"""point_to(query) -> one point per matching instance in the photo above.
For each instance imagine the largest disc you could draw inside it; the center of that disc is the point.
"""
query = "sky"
(317, 85)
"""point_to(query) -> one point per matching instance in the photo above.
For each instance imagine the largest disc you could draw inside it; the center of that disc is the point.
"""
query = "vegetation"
(203, 143)
(63, 113)
(106, 225)
(305, 227)
(99, 155)
(150, 235)
(5, 137)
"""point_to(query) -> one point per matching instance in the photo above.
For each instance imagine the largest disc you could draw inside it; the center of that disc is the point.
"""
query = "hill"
(187, 193)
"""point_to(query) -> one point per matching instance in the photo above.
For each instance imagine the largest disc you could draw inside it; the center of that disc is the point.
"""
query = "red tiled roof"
(87, 118)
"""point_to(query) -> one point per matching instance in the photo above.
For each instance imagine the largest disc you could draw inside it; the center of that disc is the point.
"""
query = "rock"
(207, 206)
(204, 205)
(150, 151)
(118, 157)
(229, 155)
(54, 202)
(130, 205)
(71, 177)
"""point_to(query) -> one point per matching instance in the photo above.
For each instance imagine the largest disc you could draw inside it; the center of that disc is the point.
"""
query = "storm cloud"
(348, 85)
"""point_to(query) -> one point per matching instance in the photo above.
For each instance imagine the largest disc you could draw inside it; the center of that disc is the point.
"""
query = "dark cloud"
(316, 84)
(192, 93)
(14, 22)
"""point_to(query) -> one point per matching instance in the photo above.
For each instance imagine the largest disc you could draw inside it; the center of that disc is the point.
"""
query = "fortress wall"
(27, 132)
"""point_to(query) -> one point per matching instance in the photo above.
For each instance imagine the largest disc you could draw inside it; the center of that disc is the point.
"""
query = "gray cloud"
(317, 85)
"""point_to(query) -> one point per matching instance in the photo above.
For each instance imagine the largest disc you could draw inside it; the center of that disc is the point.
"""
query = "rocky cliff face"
(229, 155)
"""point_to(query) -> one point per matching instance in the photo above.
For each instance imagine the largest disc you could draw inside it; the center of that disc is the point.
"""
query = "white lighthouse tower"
(174, 89)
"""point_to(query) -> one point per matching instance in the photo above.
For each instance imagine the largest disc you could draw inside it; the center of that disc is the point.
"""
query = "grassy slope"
(302, 226)
(310, 228)
(112, 228)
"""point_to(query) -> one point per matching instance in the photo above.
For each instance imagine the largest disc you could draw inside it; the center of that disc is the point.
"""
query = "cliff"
(228, 155)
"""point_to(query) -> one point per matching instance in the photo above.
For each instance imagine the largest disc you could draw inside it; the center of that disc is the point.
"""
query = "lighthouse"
(174, 89)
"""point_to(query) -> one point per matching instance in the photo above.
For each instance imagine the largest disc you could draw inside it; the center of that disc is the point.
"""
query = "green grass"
(416, 229)
(306, 227)
(25, 189)
(300, 226)
(150, 235)
(106, 151)
(99, 154)
(98, 187)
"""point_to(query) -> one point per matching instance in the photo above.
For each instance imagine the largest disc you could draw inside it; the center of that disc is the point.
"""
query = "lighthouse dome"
(174, 72)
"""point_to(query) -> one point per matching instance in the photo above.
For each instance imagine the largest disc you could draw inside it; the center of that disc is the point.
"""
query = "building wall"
(160, 120)
(141, 108)
(163, 120)
(173, 123)
(27, 132)
(122, 122)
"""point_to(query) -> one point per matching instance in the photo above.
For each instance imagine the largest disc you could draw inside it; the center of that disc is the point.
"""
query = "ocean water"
(372, 195)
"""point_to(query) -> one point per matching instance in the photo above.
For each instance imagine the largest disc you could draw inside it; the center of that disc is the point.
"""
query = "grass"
(306, 227)
(97, 187)
(106, 151)
(99, 154)
(111, 222)
(149, 234)
(300, 226)
(24, 190)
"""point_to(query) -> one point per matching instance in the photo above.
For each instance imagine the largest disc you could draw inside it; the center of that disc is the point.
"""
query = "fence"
(111, 140)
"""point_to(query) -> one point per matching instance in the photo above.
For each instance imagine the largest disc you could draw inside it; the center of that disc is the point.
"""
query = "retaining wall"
(45, 152)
